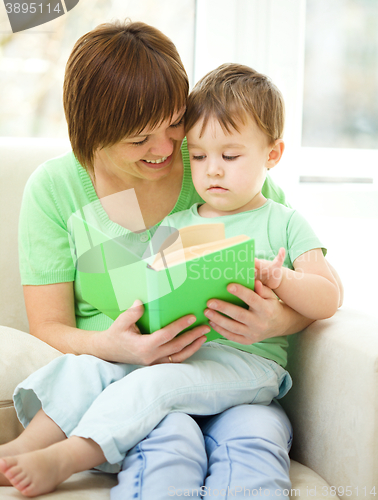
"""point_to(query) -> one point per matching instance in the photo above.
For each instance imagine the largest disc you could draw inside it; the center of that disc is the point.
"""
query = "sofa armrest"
(333, 404)
(20, 355)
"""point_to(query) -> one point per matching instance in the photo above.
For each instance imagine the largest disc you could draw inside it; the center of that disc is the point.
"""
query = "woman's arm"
(51, 314)
(49, 309)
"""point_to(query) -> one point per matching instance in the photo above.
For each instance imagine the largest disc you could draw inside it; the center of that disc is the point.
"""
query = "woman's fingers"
(130, 316)
(228, 331)
(184, 353)
(186, 339)
(133, 347)
(253, 299)
(232, 328)
(169, 332)
(169, 342)
(233, 311)
(245, 326)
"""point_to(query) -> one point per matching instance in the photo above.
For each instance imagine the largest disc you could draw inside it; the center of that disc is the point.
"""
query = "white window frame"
(269, 35)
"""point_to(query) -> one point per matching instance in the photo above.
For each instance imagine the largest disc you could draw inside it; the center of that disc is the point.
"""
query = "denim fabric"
(241, 453)
(119, 405)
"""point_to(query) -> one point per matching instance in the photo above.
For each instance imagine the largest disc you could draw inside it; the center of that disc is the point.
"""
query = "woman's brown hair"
(120, 78)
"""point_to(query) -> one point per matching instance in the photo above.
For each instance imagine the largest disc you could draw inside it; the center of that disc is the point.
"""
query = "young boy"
(234, 126)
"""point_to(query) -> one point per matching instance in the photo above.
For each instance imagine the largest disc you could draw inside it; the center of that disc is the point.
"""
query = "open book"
(192, 266)
(174, 273)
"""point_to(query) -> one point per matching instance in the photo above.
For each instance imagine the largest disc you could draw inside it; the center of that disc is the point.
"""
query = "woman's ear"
(275, 153)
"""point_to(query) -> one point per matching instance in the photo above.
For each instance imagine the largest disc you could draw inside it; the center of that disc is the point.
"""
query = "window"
(32, 62)
(340, 103)
(324, 57)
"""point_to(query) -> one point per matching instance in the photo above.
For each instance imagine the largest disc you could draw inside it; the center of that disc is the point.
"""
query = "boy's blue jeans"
(241, 453)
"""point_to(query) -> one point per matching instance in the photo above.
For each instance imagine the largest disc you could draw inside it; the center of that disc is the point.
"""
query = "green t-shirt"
(272, 226)
(56, 190)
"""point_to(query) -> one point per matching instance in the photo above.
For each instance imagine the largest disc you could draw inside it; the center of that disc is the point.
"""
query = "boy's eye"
(198, 157)
(140, 142)
(230, 158)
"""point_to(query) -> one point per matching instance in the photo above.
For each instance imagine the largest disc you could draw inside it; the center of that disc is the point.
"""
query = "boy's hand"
(270, 272)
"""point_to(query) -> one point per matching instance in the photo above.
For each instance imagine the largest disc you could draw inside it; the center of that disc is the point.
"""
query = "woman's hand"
(124, 343)
(265, 317)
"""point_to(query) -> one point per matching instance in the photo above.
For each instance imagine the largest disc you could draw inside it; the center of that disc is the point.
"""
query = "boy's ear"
(275, 154)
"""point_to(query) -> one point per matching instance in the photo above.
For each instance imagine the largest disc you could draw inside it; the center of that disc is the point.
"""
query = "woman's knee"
(176, 439)
(269, 423)
(248, 446)
(182, 428)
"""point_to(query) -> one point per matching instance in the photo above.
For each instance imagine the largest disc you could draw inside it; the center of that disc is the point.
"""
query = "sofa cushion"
(14, 172)
(333, 405)
(83, 486)
(20, 355)
(96, 486)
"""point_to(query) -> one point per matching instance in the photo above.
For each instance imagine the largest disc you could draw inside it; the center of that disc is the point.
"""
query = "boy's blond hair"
(232, 93)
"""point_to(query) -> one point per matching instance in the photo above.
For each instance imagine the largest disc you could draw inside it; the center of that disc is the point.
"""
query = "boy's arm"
(338, 281)
(310, 289)
(265, 317)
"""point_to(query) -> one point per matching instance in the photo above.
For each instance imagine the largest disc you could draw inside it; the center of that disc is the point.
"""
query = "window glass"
(340, 106)
(32, 62)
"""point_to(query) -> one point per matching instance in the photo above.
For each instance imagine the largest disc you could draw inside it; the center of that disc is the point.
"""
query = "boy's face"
(229, 170)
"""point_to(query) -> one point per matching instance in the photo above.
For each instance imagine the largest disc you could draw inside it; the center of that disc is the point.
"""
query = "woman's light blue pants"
(118, 405)
(241, 453)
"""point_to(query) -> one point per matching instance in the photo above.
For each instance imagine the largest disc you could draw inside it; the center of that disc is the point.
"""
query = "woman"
(124, 96)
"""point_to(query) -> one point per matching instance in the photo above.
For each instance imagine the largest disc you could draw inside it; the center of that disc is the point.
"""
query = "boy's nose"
(214, 169)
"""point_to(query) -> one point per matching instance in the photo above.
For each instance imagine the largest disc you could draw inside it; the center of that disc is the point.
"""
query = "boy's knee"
(89, 369)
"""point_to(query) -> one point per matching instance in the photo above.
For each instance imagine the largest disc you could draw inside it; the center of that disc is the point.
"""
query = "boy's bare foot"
(35, 473)
(40, 433)
(9, 449)
(40, 471)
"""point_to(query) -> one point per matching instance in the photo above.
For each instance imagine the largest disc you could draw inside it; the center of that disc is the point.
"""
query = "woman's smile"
(149, 156)
(159, 163)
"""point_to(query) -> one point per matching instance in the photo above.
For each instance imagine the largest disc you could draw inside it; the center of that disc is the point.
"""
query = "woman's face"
(149, 155)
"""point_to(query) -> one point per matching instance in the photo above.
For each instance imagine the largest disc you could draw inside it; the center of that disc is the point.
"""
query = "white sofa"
(333, 404)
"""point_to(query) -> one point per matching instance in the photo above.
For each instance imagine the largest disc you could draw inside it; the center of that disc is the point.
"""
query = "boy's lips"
(217, 189)
(158, 162)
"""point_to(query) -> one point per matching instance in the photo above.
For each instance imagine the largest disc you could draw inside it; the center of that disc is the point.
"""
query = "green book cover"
(113, 272)
(206, 277)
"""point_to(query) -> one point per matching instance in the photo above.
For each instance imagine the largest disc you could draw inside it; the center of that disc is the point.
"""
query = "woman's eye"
(178, 124)
(140, 142)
